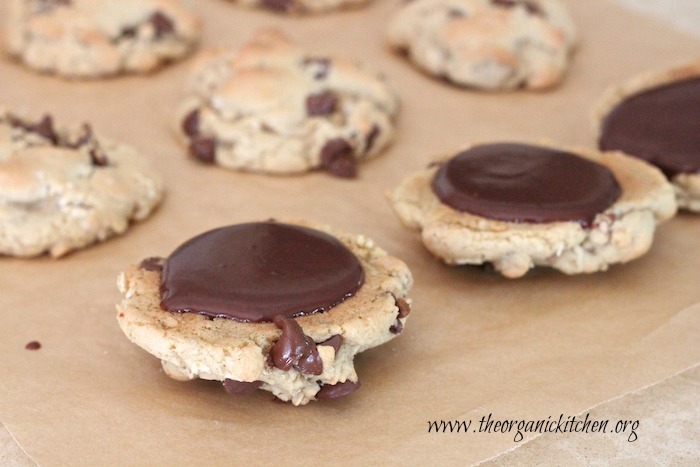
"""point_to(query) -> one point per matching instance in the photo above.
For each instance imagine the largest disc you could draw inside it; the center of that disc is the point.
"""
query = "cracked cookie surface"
(487, 44)
(246, 356)
(65, 188)
(271, 107)
(620, 233)
(97, 38)
(673, 133)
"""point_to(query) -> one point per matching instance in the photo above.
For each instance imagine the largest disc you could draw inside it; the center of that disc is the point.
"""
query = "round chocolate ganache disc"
(256, 271)
(525, 183)
(660, 125)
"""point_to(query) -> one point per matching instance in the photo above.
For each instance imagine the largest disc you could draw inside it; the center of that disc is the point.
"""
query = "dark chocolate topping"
(333, 341)
(240, 388)
(524, 183)
(660, 125)
(256, 271)
(153, 263)
(336, 391)
(294, 349)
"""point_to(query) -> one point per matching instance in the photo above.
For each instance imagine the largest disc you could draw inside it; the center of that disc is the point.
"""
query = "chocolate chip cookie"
(282, 307)
(65, 188)
(517, 206)
(656, 117)
(96, 38)
(271, 107)
(487, 44)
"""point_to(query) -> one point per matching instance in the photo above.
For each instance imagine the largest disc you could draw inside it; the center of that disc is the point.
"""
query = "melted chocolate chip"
(98, 157)
(43, 128)
(523, 183)
(154, 263)
(404, 307)
(162, 24)
(660, 125)
(190, 124)
(531, 7)
(322, 66)
(240, 388)
(333, 341)
(278, 5)
(254, 272)
(336, 158)
(33, 345)
(294, 349)
(204, 149)
(397, 327)
(371, 138)
(336, 391)
(322, 103)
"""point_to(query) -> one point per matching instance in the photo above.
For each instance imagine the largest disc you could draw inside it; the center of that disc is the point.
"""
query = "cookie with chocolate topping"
(271, 107)
(282, 307)
(65, 188)
(517, 206)
(656, 117)
(487, 44)
(97, 38)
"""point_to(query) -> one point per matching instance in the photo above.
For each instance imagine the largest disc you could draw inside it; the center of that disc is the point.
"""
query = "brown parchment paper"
(475, 344)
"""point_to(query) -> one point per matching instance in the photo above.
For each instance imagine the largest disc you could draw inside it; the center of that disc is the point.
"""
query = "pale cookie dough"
(270, 107)
(96, 38)
(64, 189)
(621, 233)
(193, 346)
(487, 44)
(686, 185)
(303, 6)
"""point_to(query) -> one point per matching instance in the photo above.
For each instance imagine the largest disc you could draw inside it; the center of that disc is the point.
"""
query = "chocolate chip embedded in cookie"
(487, 44)
(96, 38)
(517, 206)
(657, 118)
(283, 307)
(271, 107)
(65, 188)
(303, 6)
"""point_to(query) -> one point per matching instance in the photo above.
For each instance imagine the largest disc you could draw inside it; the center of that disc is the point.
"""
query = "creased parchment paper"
(475, 343)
